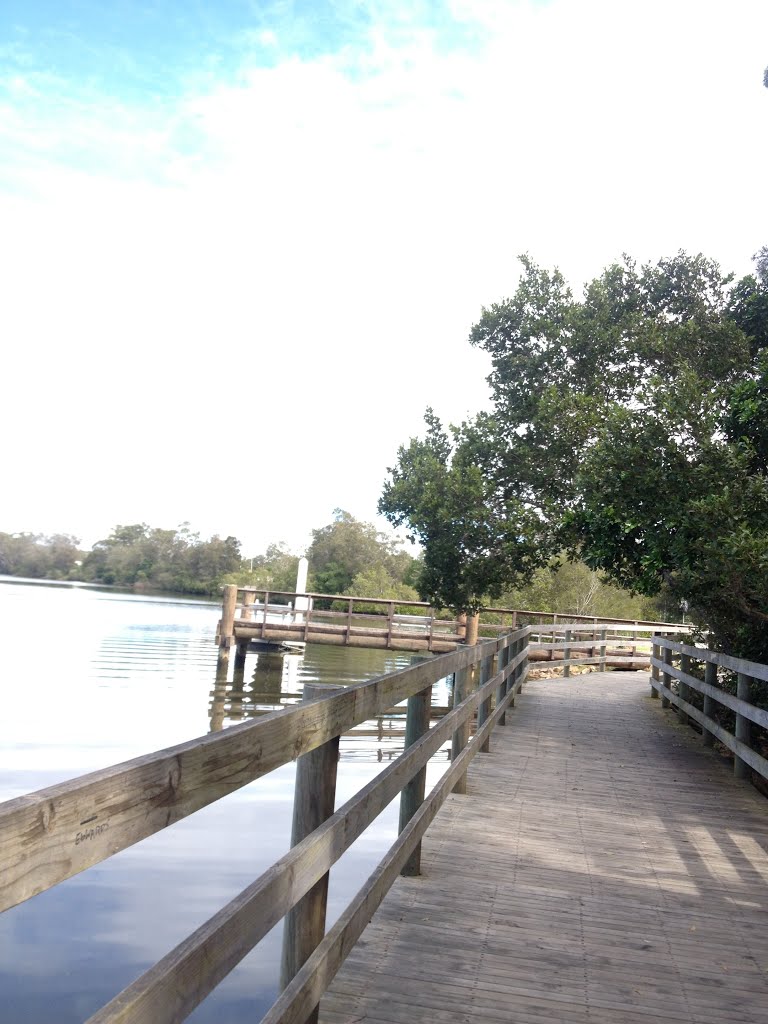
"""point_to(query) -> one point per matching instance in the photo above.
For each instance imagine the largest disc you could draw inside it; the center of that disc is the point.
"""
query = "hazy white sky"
(242, 247)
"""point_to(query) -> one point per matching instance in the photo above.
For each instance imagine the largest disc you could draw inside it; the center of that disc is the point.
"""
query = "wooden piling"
(246, 612)
(603, 635)
(473, 628)
(313, 802)
(226, 626)
(412, 796)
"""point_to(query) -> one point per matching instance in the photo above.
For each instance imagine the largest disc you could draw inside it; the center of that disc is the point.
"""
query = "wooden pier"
(585, 857)
(262, 618)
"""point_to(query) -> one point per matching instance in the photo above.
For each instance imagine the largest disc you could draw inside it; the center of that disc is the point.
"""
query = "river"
(91, 677)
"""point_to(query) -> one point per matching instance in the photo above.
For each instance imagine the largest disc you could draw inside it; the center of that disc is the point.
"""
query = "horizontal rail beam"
(48, 836)
(755, 714)
(170, 990)
(309, 985)
(752, 758)
(749, 668)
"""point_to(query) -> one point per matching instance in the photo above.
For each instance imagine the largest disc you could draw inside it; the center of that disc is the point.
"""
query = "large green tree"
(479, 539)
(629, 424)
(637, 415)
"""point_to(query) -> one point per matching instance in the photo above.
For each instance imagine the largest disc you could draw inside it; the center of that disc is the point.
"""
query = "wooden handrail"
(599, 619)
(663, 671)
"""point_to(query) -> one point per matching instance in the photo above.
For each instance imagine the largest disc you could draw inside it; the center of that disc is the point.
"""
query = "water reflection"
(121, 675)
(269, 680)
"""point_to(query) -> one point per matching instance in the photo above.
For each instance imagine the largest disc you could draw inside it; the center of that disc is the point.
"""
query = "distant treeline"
(346, 556)
(136, 556)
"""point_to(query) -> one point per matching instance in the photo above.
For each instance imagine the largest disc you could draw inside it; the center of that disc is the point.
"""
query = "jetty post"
(313, 803)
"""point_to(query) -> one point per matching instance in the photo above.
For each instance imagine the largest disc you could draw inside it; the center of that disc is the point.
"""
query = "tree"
(37, 556)
(477, 539)
(628, 426)
(177, 560)
(637, 416)
(347, 547)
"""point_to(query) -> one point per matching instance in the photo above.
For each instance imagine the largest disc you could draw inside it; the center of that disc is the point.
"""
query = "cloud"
(232, 304)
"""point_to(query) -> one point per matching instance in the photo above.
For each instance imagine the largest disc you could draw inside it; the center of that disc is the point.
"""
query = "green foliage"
(345, 548)
(477, 538)
(629, 426)
(36, 556)
(571, 587)
(638, 418)
(275, 570)
(176, 560)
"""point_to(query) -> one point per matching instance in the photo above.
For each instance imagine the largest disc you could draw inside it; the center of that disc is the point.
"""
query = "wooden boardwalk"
(604, 868)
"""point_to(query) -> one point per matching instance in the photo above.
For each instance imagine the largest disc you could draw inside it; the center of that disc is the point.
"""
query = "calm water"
(93, 677)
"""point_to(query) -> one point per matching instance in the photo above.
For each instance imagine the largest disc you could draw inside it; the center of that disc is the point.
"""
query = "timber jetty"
(252, 618)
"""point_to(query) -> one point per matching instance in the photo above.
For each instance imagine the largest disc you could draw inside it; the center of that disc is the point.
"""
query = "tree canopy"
(346, 548)
(628, 426)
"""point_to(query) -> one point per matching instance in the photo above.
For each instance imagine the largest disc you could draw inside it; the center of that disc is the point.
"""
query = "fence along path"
(605, 868)
(50, 835)
(572, 792)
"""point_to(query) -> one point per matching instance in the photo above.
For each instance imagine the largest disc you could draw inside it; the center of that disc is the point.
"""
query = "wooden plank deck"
(603, 868)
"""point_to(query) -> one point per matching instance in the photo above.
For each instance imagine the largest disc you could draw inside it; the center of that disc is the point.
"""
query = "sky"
(242, 244)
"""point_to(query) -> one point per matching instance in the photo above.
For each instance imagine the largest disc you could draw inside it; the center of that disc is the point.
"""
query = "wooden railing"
(50, 835)
(691, 681)
(606, 644)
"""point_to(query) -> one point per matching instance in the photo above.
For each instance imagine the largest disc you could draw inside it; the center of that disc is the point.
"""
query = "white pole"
(301, 604)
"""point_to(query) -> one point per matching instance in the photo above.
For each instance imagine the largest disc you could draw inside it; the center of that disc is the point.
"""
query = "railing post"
(461, 626)
(655, 653)
(710, 676)
(567, 654)
(473, 628)
(666, 678)
(390, 622)
(523, 666)
(603, 634)
(313, 802)
(484, 711)
(501, 689)
(682, 688)
(743, 727)
(412, 796)
(461, 735)
(227, 625)
(246, 613)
